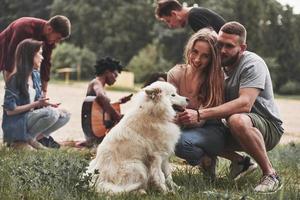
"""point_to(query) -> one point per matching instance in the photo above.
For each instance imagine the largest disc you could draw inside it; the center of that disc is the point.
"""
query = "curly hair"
(107, 63)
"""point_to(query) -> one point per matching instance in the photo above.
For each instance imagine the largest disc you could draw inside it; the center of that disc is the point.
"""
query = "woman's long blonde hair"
(211, 91)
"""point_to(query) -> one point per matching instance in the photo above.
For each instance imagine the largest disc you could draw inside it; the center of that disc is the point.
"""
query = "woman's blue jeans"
(194, 143)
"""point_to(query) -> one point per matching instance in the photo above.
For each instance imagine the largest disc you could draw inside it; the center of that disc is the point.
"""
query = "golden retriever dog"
(135, 154)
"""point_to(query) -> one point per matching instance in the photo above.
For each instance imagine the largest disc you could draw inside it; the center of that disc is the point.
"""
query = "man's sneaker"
(49, 142)
(208, 167)
(269, 184)
(241, 168)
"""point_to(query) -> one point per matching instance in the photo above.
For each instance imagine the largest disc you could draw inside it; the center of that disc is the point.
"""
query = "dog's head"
(164, 94)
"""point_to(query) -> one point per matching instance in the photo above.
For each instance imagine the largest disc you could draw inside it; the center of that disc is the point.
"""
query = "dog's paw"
(141, 192)
(163, 188)
(174, 187)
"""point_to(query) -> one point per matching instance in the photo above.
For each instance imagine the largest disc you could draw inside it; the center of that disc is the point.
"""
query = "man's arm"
(46, 66)
(104, 102)
(242, 104)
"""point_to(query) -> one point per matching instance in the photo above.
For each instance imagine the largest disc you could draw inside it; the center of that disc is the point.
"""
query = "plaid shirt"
(20, 29)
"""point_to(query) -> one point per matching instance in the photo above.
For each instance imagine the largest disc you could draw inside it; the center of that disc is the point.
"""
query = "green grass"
(55, 174)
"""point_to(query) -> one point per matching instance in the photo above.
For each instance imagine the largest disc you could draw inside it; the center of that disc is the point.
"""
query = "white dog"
(135, 153)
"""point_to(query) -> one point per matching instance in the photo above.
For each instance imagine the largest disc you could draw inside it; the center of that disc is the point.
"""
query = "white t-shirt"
(32, 93)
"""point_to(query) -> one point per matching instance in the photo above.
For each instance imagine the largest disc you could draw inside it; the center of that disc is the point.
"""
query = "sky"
(292, 3)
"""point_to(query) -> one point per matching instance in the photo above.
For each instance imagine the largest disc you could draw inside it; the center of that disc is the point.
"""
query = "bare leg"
(251, 141)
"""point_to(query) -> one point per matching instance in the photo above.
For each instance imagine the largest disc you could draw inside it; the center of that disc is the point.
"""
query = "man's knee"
(239, 123)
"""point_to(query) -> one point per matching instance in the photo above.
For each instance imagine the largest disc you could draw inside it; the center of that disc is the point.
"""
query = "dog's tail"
(113, 188)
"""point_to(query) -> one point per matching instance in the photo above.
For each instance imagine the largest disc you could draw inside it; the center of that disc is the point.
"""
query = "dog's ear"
(154, 93)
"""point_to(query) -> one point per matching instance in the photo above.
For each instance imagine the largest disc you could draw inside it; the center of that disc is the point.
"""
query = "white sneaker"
(242, 168)
(269, 184)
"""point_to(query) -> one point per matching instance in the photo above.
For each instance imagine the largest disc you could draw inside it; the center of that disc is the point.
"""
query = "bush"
(41, 175)
(290, 88)
(146, 62)
(68, 55)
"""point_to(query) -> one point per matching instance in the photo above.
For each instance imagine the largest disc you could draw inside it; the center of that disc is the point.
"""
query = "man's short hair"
(235, 28)
(60, 24)
(165, 7)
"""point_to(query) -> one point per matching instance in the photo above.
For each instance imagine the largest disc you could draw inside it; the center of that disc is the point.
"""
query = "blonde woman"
(200, 79)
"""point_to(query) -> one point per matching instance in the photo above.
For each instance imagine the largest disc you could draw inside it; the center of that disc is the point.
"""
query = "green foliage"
(116, 28)
(124, 29)
(13, 9)
(68, 55)
(58, 174)
(42, 175)
(290, 87)
(146, 62)
(275, 71)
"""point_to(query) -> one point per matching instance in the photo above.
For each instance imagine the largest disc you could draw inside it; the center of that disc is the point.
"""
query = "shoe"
(208, 167)
(269, 184)
(22, 146)
(35, 144)
(49, 142)
(241, 168)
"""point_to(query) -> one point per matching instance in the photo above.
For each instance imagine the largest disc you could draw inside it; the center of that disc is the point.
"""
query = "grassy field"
(55, 174)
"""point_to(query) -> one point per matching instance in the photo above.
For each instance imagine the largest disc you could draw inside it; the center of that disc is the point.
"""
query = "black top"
(200, 17)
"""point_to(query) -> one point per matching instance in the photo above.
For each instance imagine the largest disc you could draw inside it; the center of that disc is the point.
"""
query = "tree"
(13, 9)
(68, 55)
(147, 61)
(109, 27)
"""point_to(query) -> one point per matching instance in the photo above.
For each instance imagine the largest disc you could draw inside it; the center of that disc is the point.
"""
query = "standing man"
(176, 16)
(252, 118)
(50, 32)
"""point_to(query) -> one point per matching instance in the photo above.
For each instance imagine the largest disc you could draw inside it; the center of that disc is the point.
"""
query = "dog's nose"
(187, 100)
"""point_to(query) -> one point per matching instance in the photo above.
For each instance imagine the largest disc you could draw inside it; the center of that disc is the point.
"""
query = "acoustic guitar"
(94, 120)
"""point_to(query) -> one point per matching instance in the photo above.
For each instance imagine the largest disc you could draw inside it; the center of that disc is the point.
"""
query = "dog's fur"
(135, 153)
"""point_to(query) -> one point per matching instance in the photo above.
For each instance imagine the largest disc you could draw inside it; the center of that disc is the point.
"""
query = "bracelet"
(198, 115)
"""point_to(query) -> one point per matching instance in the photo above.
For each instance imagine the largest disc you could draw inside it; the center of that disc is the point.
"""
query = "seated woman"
(27, 113)
(201, 80)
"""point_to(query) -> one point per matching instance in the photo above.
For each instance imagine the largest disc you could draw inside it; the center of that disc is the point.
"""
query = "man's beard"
(229, 61)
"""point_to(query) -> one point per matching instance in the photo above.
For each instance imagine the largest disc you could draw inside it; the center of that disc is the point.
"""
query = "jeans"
(46, 120)
(195, 142)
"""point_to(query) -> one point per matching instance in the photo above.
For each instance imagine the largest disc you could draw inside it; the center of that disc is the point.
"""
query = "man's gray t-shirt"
(252, 72)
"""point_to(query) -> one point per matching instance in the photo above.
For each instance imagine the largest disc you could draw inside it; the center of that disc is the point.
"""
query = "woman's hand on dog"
(187, 117)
